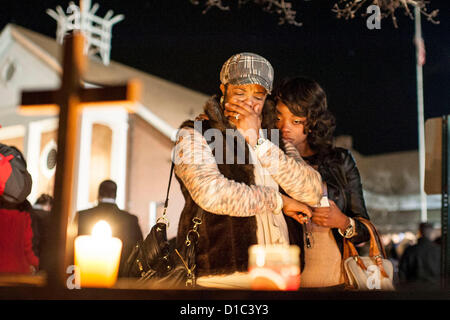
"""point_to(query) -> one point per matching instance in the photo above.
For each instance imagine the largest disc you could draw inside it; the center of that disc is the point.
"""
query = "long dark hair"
(306, 98)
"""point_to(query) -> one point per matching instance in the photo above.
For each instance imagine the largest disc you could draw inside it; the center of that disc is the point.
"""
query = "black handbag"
(157, 262)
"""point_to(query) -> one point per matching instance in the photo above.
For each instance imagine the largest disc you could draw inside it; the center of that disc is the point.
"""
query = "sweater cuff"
(261, 149)
(279, 206)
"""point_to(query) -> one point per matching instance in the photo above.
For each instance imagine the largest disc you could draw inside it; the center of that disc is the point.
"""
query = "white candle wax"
(97, 257)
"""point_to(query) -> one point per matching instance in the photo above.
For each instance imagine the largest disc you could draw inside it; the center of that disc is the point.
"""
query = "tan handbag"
(374, 272)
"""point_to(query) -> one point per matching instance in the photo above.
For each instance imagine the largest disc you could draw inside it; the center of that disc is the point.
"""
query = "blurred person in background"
(124, 225)
(420, 263)
(40, 220)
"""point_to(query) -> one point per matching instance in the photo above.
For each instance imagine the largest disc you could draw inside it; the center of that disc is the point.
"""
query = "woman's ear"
(222, 88)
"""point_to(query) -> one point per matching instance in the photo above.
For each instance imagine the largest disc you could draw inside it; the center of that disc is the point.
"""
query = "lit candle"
(97, 257)
(274, 267)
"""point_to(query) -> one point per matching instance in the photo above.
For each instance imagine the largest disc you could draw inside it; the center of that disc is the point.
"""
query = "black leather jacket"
(338, 169)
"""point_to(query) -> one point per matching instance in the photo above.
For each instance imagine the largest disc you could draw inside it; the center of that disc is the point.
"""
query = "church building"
(132, 149)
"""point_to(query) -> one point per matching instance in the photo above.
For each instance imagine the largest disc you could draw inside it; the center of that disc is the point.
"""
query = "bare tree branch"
(347, 9)
(283, 8)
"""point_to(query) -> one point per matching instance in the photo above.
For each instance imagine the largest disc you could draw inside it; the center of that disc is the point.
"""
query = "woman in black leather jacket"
(306, 123)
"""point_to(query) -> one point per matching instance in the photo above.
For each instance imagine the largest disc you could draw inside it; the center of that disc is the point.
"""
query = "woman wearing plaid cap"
(240, 197)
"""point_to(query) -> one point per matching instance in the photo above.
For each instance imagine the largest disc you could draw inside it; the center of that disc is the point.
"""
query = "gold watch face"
(348, 230)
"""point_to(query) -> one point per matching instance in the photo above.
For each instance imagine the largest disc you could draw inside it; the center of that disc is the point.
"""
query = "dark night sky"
(369, 75)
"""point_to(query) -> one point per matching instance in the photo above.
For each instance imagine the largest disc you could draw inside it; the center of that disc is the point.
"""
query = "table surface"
(25, 287)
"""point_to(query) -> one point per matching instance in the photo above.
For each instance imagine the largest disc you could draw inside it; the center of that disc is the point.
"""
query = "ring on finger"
(237, 116)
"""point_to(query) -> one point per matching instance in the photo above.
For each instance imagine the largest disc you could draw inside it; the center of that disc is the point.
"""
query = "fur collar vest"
(224, 240)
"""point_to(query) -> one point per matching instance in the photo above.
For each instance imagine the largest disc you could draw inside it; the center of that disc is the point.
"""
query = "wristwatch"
(349, 231)
(259, 142)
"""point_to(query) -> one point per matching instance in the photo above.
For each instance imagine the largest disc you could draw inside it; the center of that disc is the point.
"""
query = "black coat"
(420, 265)
(338, 169)
(40, 223)
(123, 225)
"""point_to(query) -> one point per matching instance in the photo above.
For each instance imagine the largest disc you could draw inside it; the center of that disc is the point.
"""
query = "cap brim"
(251, 80)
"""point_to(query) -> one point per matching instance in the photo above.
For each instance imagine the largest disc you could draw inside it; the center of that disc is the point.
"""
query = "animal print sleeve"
(196, 166)
(291, 172)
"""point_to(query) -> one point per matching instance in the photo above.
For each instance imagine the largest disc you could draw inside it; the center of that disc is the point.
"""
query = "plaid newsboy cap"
(247, 68)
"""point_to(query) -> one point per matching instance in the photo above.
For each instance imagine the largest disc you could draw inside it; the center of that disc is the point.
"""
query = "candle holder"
(274, 267)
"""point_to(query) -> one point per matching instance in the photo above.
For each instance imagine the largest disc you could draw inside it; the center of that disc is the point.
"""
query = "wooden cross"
(69, 100)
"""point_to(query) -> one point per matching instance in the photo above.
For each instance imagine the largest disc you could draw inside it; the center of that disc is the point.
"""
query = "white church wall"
(116, 119)
(35, 153)
(13, 136)
(20, 70)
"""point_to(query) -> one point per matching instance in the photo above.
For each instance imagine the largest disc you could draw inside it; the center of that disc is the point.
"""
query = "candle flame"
(102, 230)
